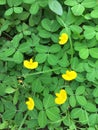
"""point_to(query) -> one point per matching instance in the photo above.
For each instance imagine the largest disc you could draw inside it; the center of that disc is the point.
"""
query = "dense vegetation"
(49, 64)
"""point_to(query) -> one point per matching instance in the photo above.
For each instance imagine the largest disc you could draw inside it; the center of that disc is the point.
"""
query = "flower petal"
(63, 38)
(69, 75)
(61, 97)
(30, 103)
(30, 64)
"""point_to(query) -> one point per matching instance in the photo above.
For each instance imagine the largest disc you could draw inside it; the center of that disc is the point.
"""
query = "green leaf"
(91, 128)
(93, 52)
(71, 2)
(80, 90)
(18, 10)
(69, 90)
(8, 11)
(64, 62)
(80, 78)
(13, 3)
(80, 67)
(54, 38)
(5, 25)
(81, 100)
(34, 8)
(42, 119)
(1, 106)
(75, 113)
(56, 7)
(17, 2)
(68, 121)
(41, 58)
(89, 32)
(18, 57)
(50, 25)
(4, 125)
(10, 111)
(83, 118)
(95, 92)
(46, 24)
(52, 59)
(96, 35)
(2, 2)
(38, 103)
(9, 90)
(9, 114)
(7, 52)
(2, 89)
(54, 48)
(42, 48)
(89, 3)
(44, 34)
(78, 46)
(53, 114)
(90, 107)
(10, 3)
(74, 63)
(60, 21)
(91, 75)
(28, 1)
(18, 117)
(37, 86)
(76, 29)
(48, 101)
(23, 16)
(78, 10)
(26, 32)
(33, 114)
(16, 97)
(72, 100)
(32, 123)
(16, 40)
(93, 119)
(94, 13)
(43, 3)
(84, 53)
(23, 47)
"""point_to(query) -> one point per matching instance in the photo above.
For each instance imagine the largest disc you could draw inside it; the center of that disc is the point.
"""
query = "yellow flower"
(69, 75)
(63, 38)
(61, 97)
(30, 64)
(30, 104)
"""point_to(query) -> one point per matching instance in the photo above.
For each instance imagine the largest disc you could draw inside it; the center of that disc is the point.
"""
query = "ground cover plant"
(48, 65)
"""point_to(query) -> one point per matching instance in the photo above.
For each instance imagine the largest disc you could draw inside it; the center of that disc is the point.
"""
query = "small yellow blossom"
(69, 75)
(61, 97)
(63, 38)
(30, 104)
(30, 64)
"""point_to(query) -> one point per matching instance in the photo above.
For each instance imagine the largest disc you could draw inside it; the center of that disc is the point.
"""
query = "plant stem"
(23, 121)
(41, 72)
(71, 47)
(7, 35)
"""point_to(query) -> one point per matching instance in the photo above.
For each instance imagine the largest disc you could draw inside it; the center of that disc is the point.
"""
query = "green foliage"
(31, 29)
(56, 7)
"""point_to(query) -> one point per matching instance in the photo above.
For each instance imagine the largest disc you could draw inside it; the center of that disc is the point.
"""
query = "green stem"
(71, 47)
(23, 121)
(63, 23)
(6, 34)
(41, 72)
